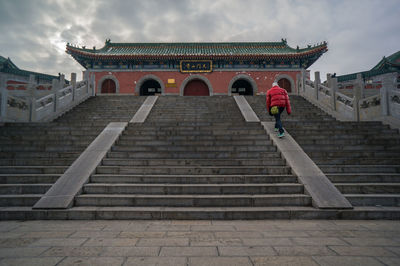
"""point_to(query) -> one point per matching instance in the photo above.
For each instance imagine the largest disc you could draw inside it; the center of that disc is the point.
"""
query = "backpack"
(274, 110)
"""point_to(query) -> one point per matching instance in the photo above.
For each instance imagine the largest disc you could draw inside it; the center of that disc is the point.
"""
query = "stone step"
(194, 149)
(347, 142)
(36, 162)
(198, 213)
(360, 161)
(360, 168)
(28, 178)
(191, 162)
(193, 200)
(19, 200)
(354, 154)
(39, 155)
(193, 179)
(10, 189)
(363, 148)
(196, 133)
(192, 189)
(194, 155)
(365, 177)
(374, 199)
(204, 170)
(368, 188)
(196, 138)
(55, 148)
(124, 142)
(32, 169)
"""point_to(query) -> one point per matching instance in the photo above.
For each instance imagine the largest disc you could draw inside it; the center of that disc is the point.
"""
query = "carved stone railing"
(355, 108)
(42, 102)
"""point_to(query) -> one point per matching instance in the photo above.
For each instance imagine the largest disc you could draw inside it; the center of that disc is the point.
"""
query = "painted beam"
(323, 193)
(61, 195)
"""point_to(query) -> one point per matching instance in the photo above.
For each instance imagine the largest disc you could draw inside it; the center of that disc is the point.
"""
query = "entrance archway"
(242, 81)
(242, 87)
(150, 87)
(196, 87)
(108, 86)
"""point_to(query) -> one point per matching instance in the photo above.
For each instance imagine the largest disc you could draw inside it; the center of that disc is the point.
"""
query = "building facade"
(246, 68)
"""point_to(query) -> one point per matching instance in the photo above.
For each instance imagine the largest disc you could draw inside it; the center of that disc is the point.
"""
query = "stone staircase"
(34, 156)
(194, 157)
(362, 159)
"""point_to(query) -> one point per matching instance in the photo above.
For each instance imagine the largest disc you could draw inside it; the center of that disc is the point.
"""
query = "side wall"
(220, 80)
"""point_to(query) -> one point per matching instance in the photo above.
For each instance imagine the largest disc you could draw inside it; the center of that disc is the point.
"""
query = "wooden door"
(108, 86)
(285, 84)
(196, 88)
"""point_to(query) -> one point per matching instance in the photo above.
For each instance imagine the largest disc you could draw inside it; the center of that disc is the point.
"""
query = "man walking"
(277, 100)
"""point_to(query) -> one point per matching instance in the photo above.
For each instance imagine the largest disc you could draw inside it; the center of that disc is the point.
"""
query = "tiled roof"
(9, 67)
(197, 50)
(386, 65)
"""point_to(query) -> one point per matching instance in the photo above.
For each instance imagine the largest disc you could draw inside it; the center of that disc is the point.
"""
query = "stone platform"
(206, 242)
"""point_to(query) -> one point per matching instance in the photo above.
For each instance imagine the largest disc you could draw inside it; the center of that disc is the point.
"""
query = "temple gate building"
(245, 68)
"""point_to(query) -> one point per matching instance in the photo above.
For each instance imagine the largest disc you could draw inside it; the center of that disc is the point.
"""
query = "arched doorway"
(108, 86)
(150, 87)
(285, 84)
(242, 87)
(196, 87)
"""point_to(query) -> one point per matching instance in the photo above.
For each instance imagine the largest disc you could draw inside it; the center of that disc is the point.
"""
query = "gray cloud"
(359, 32)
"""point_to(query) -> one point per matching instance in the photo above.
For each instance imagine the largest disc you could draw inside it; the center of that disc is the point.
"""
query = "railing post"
(388, 84)
(31, 92)
(328, 80)
(317, 81)
(357, 92)
(73, 84)
(4, 97)
(54, 90)
(334, 88)
(62, 81)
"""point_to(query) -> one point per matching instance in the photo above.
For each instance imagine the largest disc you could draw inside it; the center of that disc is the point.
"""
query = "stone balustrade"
(42, 102)
(355, 107)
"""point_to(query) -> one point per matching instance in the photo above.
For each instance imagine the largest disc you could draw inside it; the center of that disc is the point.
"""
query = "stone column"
(54, 91)
(388, 83)
(62, 82)
(357, 92)
(4, 96)
(303, 82)
(298, 75)
(328, 80)
(31, 92)
(317, 81)
(92, 83)
(73, 84)
(334, 88)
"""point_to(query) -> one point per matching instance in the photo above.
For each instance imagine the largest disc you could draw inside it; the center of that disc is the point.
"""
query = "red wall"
(219, 79)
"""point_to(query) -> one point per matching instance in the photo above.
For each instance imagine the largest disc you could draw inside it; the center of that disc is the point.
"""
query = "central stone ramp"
(194, 157)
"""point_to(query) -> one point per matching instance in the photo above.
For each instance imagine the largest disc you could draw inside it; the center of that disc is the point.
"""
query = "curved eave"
(84, 54)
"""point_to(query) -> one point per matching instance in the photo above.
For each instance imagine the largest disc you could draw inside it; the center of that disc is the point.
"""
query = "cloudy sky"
(359, 32)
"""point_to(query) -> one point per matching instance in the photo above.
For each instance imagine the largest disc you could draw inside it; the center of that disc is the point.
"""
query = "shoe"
(281, 135)
(276, 129)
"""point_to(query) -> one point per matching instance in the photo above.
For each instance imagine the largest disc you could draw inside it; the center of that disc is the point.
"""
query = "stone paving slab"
(187, 243)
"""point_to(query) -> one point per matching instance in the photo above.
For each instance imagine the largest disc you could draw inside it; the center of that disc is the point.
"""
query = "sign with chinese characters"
(190, 66)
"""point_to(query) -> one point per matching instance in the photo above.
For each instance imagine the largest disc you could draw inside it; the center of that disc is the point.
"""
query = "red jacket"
(277, 96)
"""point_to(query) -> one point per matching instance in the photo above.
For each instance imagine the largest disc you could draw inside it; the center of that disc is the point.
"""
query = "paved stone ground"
(200, 243)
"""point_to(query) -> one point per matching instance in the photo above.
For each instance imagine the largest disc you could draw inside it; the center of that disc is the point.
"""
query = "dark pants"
(278, 122)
